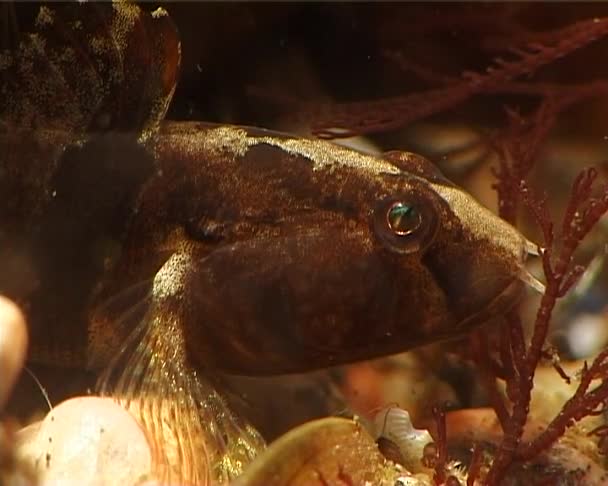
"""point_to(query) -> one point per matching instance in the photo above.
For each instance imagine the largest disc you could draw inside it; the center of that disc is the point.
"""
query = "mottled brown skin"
(166, 254)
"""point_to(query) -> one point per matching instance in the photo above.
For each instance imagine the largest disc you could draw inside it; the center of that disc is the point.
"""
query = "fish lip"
(499, 305)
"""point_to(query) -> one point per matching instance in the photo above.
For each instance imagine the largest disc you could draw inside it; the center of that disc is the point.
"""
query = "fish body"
(286, 249)
(163, 252)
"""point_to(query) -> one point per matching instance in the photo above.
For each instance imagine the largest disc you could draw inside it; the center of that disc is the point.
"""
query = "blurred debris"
(13, 345)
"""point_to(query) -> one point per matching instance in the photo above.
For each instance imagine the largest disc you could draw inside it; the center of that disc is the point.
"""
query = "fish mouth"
(512, 293)
(499, 305)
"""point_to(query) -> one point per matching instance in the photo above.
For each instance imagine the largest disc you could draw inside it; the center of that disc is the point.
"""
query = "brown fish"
(166, 252)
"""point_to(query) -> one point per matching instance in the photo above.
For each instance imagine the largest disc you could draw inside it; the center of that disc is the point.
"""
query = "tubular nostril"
(529, 279)
(532, 248)
(529, 248)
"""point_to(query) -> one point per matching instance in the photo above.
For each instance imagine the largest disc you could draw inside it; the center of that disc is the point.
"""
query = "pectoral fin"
(196, 438)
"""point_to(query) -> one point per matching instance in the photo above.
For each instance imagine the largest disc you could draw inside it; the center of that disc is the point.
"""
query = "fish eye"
(403, 219)
(405, 225)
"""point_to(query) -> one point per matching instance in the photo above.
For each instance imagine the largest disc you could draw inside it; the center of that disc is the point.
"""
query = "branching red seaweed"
(358, 118)
(561, 273)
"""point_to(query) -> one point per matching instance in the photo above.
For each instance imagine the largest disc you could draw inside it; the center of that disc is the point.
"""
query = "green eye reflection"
(406, 224)
(403, 219)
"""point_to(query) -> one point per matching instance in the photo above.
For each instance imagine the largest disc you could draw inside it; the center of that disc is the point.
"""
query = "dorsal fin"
(91, 67)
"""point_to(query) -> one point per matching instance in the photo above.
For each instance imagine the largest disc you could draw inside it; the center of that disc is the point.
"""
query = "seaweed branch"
(441, 444)
(582, 213)
(358, 118)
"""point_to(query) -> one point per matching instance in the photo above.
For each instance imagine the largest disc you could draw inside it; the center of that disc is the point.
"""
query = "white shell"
(394, 424)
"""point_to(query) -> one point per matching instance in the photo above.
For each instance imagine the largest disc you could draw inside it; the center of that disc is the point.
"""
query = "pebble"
(88, 440)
